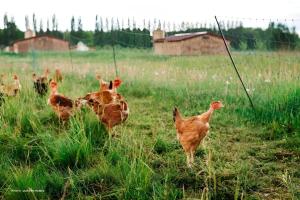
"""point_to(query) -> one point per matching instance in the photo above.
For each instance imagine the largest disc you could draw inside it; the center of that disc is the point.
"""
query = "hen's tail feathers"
(176, 114)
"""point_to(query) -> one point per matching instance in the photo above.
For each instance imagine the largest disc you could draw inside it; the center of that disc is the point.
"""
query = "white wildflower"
(267, 81)
(250, 90)
(227, 82)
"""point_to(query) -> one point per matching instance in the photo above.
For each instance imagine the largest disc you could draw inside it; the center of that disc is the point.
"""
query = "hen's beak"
(222, 105)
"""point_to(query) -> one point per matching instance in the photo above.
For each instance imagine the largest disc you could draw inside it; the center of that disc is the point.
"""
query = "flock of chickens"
(111, 107)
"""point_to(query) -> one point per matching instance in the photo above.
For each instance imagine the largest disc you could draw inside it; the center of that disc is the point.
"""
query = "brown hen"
(11, 89)
(109, 106)
(58, 76)
(41, 83)
(192, 130)
(62, 106)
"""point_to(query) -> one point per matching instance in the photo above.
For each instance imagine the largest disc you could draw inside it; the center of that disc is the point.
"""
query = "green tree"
(73, 31)
(11, 32)
(41, 32)
(34, 23)
(118, 25)
(79, 27)
(281, 37)
(54, 23)
(97, 33)
(72, 24)
(26, 22)
(1, 39)
(48, 27)
(5, 20)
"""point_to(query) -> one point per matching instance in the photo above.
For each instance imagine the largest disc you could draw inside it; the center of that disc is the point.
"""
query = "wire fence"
(265, 58)
(247, 41)
(244, 40)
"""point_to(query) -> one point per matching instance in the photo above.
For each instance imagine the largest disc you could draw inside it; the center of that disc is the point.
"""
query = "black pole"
(70, 53)
(71, 59)
(114, 52)
(237, 72)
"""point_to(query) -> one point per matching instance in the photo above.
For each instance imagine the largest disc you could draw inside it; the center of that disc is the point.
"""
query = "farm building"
(81, 47)
(39, 43)
(29, 33)
(188, 43)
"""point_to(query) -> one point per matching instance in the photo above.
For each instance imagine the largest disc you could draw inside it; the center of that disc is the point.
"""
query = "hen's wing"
(112, 115)
(192, 124)
(60, 100)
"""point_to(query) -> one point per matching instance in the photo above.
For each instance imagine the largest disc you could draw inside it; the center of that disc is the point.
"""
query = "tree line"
(109, 32)
(275, 37)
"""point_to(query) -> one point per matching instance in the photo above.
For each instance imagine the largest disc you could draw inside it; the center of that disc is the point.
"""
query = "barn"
(198, 43)
(40, 43)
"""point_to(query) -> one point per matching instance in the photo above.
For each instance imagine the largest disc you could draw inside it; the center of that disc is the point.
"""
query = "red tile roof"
(39, 36)
(184, 36)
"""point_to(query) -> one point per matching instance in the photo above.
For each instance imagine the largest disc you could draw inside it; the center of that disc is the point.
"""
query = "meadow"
(249, 154)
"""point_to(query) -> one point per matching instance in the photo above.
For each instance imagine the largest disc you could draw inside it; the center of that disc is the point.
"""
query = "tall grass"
(246, 155)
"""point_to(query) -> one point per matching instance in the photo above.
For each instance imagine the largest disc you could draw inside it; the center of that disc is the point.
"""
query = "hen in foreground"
(192, 130)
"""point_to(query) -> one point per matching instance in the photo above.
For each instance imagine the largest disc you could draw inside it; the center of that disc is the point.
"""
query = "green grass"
(247, 155)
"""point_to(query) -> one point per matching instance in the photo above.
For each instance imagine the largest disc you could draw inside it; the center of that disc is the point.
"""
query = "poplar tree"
(72, 33)
(5, 20)
(41, 27)
(54, 22)
(97, 32)
(34, 23)
(48, 27)
(26, 23)
(72, 24)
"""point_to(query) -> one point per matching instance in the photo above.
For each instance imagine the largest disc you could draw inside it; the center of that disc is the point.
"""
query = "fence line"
(260, 19)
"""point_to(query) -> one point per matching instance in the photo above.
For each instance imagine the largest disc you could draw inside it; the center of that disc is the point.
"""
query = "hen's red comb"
(117, 82)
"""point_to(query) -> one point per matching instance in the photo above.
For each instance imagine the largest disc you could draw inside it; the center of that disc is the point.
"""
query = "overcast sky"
(170, 11)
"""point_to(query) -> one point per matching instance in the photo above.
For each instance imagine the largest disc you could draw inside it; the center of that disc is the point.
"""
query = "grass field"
(247, 155)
